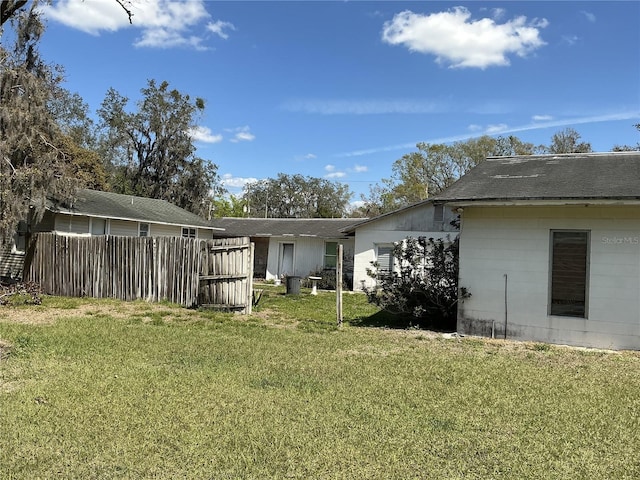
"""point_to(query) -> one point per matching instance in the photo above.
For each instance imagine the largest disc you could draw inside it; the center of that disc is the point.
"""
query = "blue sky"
(341, 90)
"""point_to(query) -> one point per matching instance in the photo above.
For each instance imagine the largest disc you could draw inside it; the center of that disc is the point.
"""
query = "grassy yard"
(105, 389)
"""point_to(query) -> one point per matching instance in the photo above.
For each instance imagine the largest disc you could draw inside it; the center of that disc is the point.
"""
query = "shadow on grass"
(384, 319)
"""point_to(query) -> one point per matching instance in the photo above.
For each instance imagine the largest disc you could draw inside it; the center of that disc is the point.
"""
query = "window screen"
(569, 273)
(385, 258)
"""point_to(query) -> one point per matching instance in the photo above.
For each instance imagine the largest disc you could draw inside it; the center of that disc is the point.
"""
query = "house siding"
(413, 222)
(71, 224)
(159, 230)
(308, 255)
(505, 265)
(124, 228)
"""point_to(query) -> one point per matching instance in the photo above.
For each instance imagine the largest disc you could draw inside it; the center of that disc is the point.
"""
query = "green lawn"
(104, 389)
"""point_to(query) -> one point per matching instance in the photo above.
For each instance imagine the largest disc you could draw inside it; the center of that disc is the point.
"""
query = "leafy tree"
(297, 196)
(152, 148)
(424, 286)
(33, 167)
(71, 114)
(432, 168)
(567, 141)
(628, 148)
(231, 206)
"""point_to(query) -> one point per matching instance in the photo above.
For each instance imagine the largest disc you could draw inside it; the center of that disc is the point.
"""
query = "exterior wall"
(81, 225)
(308, 255)
(71, 224)
(508, 248)
(415, 222)
(124, 228)
(159, 230)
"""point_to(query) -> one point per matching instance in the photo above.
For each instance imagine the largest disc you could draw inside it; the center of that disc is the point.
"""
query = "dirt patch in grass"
(48, 315)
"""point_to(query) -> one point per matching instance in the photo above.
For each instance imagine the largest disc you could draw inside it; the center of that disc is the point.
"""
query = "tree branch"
(123, 4)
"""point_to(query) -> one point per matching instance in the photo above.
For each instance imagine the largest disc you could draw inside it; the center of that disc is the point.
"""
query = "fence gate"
(226, 274)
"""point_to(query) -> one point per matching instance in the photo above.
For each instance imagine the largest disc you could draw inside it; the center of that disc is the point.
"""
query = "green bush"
(423, 284)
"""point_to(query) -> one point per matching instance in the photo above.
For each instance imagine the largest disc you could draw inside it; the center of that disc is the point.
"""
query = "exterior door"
(285, 266)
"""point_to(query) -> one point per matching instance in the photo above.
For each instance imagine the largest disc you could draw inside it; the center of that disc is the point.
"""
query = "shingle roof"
(296, 227)
(612, 175)
(128, 207)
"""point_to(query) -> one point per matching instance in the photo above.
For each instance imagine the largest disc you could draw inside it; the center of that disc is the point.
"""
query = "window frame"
(333, 256)
(143, 232)
(390, 268)
(191, 232)
(554, 309)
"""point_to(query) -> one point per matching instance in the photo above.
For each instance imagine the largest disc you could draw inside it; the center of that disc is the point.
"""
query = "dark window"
(188, 232)
(569, 273)
(438, 213)
(143, 231)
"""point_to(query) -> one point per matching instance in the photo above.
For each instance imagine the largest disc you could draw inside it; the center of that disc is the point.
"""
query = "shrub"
(328, 279)
(20, 293)
(423, 283)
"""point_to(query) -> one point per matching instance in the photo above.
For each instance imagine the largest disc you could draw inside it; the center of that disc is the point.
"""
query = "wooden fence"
(190, 272)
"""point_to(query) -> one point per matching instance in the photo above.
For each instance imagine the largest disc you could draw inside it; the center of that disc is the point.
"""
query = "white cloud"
(570, 39)
(218, 28)
(457, 40)
(90, 17)
(551, 123)
(329, 168)
(362, 107)
(228, 180)
(360, 168)
(474, 128)
(241, 134)
(493, 129)
(589, 16)
(335, 175)
(204, 134)
(541, 118)
(162, 23)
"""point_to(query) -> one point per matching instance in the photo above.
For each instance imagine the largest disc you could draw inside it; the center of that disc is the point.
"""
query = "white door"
(285, 266)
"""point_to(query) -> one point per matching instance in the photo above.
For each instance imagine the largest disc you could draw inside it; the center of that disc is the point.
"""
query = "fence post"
(339, 286)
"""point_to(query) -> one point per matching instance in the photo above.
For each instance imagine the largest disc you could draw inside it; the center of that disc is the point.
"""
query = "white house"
(105, 213)
(550, 248)
(375, 237)
(293, 246)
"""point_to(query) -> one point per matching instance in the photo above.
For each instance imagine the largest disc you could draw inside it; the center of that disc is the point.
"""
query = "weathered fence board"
(186, 271)
(226, 274)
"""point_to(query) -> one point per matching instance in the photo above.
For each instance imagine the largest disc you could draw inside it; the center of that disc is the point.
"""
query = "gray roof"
(577, 176)
(94, 203)
(295, 227)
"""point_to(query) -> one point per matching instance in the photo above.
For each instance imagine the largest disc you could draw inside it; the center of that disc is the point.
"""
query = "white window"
(330, 254)
(569, 273)
(143, 229)
(384, 258)
(188, 232)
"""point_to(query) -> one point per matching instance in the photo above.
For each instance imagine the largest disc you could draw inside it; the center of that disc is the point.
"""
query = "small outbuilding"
(293, 246)
(375, 237)
(104, 213)
(550, 248)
